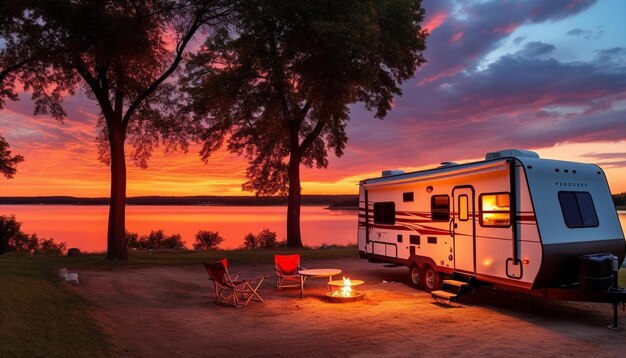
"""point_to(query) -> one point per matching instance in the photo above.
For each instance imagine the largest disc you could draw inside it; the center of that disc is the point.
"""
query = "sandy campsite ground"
(169, 311)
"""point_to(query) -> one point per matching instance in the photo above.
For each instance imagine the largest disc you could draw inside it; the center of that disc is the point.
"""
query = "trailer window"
(463, 215)
(385, 213)
(440, 208)
(408, 196)
(578, 209)
(495, 210)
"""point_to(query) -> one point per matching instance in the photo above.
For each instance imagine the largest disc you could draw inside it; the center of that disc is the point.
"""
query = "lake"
(85, 227)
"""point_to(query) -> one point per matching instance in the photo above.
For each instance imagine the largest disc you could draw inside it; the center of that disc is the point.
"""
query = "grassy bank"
(40, 316)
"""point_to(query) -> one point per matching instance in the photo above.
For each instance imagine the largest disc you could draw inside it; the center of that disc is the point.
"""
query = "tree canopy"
(279, 80)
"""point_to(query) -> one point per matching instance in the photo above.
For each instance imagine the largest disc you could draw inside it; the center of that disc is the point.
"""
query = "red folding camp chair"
(229, 289)
(287, 267)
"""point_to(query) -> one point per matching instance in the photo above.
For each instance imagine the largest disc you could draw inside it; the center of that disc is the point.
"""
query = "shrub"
(174, 241)
(154, 241)
(49, 247)
(13, 239)
(249, 241)
(207, 240)
(132, 238)
(266, 239)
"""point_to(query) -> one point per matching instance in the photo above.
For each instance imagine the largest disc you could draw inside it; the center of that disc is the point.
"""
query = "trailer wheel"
(416, 276)
(431, 279)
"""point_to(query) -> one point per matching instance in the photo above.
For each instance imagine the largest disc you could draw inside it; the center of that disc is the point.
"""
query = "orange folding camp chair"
(229, 289)
(287, 267)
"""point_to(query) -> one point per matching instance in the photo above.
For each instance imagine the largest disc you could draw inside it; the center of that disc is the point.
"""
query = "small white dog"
(69, 277)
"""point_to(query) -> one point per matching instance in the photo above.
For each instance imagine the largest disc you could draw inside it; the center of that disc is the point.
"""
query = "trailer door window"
(385, 213)
(440, 208)
(578, 209)
(463, 216)
(495, 210)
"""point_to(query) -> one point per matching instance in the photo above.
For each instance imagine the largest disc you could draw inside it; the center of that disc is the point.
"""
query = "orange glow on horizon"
(74, 170)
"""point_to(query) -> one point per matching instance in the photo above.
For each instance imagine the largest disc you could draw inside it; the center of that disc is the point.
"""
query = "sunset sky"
(548, 76)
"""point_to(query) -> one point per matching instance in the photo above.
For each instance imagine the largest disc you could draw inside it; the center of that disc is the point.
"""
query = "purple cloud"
(585, 34)
(453, 110)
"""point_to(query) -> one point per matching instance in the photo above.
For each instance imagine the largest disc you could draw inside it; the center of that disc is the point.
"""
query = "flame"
(346, 290)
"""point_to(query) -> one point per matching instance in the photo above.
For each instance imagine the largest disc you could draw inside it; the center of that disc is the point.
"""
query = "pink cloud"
(456, 37)
(506, 29)
(432, 23)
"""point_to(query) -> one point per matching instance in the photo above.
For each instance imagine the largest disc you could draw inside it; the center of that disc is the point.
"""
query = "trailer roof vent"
(390, 172)
(511, 153)
(448, 164)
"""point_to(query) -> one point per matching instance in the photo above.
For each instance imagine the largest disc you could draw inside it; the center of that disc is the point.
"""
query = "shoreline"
(619, 209)
(199, 200)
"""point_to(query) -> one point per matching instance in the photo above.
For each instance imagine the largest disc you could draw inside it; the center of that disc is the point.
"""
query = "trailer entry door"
(463, 229)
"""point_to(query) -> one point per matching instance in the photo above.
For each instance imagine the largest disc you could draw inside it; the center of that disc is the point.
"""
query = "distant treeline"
(329, 200)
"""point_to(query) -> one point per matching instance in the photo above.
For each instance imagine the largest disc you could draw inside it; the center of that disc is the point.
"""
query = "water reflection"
(85, 227)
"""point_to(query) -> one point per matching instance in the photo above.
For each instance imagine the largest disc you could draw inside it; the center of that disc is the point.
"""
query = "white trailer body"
(514, 220)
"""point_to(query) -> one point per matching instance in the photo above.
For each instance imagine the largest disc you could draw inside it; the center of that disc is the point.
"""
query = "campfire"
(345, 293)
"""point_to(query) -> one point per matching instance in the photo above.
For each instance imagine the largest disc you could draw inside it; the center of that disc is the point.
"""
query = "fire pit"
(345, 292)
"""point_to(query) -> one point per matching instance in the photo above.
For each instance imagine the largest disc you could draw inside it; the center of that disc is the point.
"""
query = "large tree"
(122, 53)
(279, 80)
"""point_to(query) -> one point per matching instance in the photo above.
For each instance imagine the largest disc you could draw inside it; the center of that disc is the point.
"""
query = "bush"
(207, 240)
(132, 238)
(174, 241)
(49, 247)
(154, 241)
(266, 239)
(13, 239)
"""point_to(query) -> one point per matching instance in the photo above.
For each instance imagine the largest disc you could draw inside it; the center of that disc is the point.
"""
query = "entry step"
(455, 283)
(443, 294)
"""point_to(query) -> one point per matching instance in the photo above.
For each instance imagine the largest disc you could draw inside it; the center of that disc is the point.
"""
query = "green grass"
(40, 316)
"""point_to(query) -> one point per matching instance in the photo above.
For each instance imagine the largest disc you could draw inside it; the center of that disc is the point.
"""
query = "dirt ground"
(169, 311)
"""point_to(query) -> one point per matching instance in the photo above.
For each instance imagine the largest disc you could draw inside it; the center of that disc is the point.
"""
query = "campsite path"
(169, 311)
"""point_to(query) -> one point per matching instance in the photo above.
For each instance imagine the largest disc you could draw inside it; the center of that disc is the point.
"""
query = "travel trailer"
(514, 220)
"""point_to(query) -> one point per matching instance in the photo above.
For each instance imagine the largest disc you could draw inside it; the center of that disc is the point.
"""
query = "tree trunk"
(293, 206)
(116, 237)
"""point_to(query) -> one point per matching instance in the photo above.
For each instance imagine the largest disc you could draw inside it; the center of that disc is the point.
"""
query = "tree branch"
(312, 136)
(101, 95)
(4, 73)
(180, 49)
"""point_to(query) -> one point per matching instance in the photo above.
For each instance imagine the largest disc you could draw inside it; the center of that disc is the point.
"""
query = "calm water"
(85, 226)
